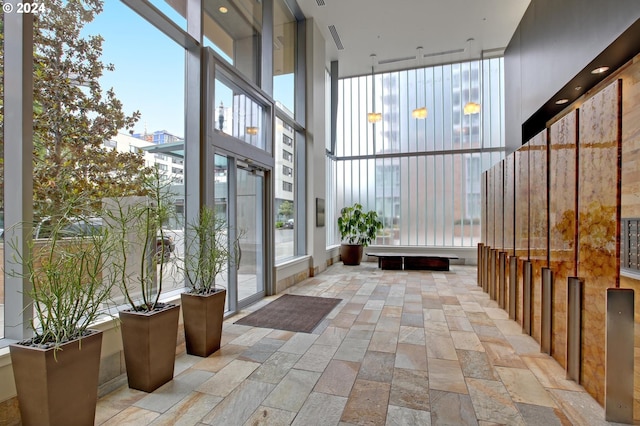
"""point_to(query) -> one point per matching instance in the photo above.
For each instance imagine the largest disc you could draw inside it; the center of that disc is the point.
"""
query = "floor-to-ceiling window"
(419, 167)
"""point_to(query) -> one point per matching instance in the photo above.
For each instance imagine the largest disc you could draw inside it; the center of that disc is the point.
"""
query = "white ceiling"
(394, 29)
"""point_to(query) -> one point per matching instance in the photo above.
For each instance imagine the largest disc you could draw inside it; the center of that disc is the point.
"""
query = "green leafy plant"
(207, 251)
(70, 286)
(357, 226)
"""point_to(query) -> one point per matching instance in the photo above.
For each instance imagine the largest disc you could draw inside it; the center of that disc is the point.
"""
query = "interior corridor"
(402, 348)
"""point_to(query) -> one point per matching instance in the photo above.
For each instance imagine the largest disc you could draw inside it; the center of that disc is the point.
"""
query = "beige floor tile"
(403, 347)
(446, 375)
(367, 403)
(412, 357)
(524, 387)
(338, 378)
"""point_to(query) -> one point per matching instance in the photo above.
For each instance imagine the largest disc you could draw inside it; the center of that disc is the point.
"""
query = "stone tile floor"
(402, 348)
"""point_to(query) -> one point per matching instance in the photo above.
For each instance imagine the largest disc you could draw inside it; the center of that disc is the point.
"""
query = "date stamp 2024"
(24, 7)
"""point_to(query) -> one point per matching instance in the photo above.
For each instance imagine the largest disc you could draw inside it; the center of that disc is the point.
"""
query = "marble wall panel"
(491, 198)
(509, 216)
(509, 203)
(563, 152)
(538, 224)
(630, 191)
(498, 182)
(598, 224)
(483, 206)
(521, 219)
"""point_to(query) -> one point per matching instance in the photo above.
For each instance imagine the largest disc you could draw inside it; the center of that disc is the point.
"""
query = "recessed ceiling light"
(562, 101)
(599, 70)
(223, 9)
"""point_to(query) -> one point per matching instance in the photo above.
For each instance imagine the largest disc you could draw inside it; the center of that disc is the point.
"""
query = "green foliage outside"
(73, 116)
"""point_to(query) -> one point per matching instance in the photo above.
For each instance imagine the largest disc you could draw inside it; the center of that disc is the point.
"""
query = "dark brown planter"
(203, 315)
(351, 254)
(149, 340)
(58, 387)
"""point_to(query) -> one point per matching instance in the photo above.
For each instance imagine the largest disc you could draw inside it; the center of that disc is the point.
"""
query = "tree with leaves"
(286, 209)
(73, 116)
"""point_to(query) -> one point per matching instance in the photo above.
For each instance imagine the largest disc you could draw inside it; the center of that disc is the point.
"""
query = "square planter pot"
(149, 340)
(203, 316)
(58, 387)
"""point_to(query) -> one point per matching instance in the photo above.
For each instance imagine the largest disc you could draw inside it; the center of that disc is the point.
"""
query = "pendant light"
(373, 117)
(471, 107)
(421, 112)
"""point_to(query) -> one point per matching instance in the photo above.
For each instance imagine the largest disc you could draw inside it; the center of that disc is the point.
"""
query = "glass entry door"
(250, 208)
(240, 199)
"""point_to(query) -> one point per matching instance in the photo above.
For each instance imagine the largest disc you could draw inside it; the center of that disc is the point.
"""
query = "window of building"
(286, 155)
(235, 35)
(420, 175)
(284, 56)
(286, 139)
(284, 195)
(109, 143)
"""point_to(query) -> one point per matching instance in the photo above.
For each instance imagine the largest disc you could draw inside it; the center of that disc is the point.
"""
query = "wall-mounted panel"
(498, 178)
(598, 221)
(491, 212)
(630, 191)
(509, 203)
(483, 206)
(521, 219)
(563, 152)
(538, 224)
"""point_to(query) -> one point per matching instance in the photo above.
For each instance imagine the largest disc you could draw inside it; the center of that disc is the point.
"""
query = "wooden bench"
(413, 261)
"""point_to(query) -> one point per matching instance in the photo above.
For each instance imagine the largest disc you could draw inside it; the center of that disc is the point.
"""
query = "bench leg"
(426, 262)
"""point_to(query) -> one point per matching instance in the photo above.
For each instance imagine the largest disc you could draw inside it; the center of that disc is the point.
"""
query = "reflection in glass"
(284, 173)
(250, 224)
(221, 208)
(239, 116)
(284, 56)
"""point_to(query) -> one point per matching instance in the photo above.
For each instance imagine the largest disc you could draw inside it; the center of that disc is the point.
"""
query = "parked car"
(288, 224)
(91, 225)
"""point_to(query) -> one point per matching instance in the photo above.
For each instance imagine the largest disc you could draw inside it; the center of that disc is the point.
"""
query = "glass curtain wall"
(233, 30)
(421, 175)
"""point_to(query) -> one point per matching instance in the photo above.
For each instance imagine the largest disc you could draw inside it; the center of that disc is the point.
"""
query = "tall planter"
(149, 339)
(351, 254)
(58, 386)
(203, 316)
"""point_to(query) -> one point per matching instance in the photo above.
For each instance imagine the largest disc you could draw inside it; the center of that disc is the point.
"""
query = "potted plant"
(207, 255)
(357, 230)
(149, 328)
(56, 371)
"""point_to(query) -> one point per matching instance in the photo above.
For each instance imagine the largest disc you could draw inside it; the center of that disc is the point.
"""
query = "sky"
(150, 68)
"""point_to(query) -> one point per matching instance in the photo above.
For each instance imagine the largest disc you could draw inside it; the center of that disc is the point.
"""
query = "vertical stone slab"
(513, 289)
(502, 278)
(547, 312)
(483, 206)
(480, 264)
(527, 298)
(618, 406)
(630, 201)
(498, 203)
(509, 219)
(575, 306)
(491, 212)
(538, 225)
(563, 178)
(598, 224)
(521, 219)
